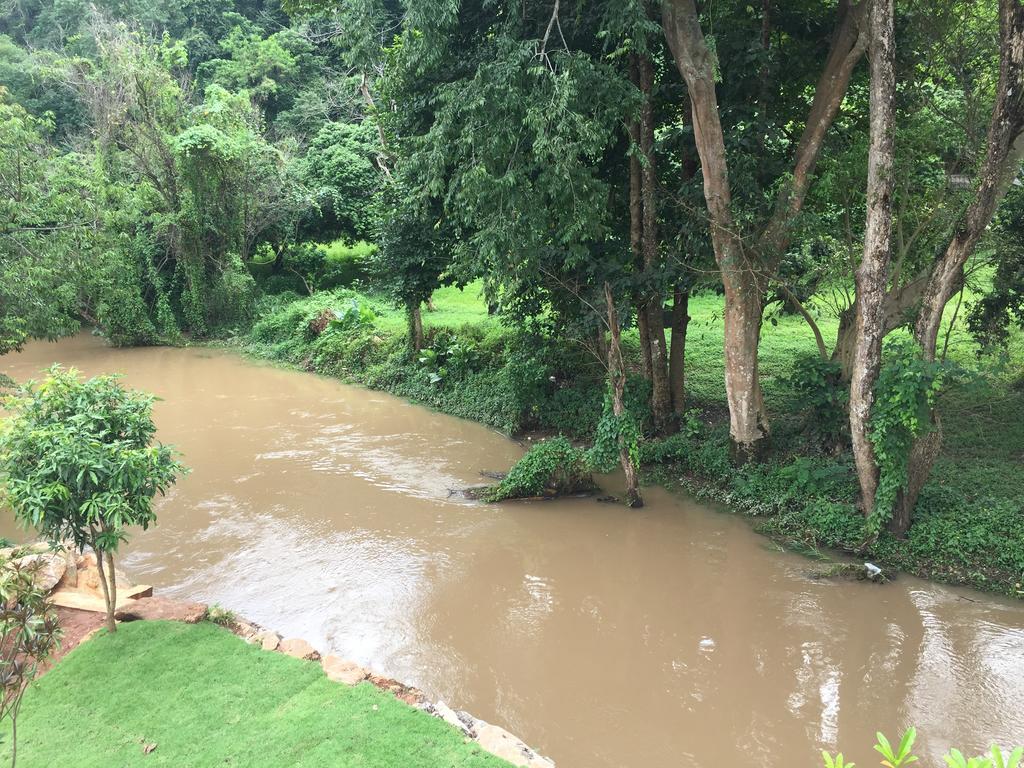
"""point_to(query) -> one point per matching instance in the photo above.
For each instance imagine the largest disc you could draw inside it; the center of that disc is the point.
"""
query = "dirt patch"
(406, 693)
(161, 608)
(77, 626)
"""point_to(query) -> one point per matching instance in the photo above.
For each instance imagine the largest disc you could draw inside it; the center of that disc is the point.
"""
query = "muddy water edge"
(671, 635)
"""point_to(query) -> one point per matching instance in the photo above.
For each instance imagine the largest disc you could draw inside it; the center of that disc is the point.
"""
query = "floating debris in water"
(850, 572)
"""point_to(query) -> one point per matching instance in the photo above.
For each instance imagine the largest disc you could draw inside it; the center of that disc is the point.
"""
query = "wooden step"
(84, 600)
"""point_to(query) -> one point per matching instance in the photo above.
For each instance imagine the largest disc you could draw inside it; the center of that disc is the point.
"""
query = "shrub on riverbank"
(809, 501)
(199, 696)
(970, 522)
(509, 380)
(554, 467)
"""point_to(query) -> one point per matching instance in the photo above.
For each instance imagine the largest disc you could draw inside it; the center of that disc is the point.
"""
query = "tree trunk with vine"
(617, 378)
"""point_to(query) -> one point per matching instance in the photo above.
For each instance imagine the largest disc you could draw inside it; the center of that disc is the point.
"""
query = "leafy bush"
(79, 464)
(232, 297)
(448, 356)
(219, 615)
(612, 432)
(121, 310)
(552, 468)
(346, 265)
(29, 634)
(282, 283)
(823, 396)
(354, 315)
(307, 268)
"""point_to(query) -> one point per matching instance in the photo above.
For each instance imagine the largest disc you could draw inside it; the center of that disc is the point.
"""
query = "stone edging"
(491, 738)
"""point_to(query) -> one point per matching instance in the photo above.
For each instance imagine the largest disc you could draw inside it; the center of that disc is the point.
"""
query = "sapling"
(79, 465)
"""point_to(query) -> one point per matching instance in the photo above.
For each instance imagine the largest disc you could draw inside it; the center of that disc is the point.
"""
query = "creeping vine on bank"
(603, 455)
(904, 398)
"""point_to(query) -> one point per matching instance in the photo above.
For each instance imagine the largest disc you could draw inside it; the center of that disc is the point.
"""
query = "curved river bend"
(668, 636)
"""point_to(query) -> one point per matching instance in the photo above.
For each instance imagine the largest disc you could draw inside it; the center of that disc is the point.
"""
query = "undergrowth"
(969, 525)
(553, 467)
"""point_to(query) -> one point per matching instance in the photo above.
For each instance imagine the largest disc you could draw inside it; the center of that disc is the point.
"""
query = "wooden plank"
(89, 601)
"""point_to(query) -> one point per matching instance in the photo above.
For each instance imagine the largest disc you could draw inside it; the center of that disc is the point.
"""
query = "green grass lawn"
(206, 698)
(453, 308)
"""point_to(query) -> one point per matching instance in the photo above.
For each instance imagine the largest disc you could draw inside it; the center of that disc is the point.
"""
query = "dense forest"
(773, 251)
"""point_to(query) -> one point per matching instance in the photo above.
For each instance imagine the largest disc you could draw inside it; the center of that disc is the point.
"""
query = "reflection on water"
(605, 637)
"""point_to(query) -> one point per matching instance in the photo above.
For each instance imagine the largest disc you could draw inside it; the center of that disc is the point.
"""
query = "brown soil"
(407, 693)
(76, 626)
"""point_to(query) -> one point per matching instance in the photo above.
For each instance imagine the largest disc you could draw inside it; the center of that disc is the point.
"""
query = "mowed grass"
(452, 308)
(203, 697)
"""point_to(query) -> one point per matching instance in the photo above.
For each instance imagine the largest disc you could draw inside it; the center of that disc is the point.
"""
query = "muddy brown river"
(667, 636)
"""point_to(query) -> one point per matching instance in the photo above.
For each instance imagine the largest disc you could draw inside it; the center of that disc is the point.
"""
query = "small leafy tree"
(29, 633)
(79, 464)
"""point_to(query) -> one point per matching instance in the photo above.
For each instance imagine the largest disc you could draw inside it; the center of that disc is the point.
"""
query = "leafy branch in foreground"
(903, 755)
(29, 634)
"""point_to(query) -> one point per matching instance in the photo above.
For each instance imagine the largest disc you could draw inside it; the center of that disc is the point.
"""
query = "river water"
(667, 636)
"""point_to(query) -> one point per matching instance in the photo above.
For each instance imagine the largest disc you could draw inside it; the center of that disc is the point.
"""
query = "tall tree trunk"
(636, 237)
(1002, 163)
(617, 377)
(896, 303)
(677, 350)
(742, 278)
(748, 422)
(661, 396)
(415, 318)
(873, 273)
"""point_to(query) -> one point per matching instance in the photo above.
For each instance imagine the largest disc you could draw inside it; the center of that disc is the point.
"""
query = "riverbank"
(322, 511)
(476, 368)
(171, 693)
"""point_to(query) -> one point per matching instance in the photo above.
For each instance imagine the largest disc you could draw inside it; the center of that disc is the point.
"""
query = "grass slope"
(206, 698)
